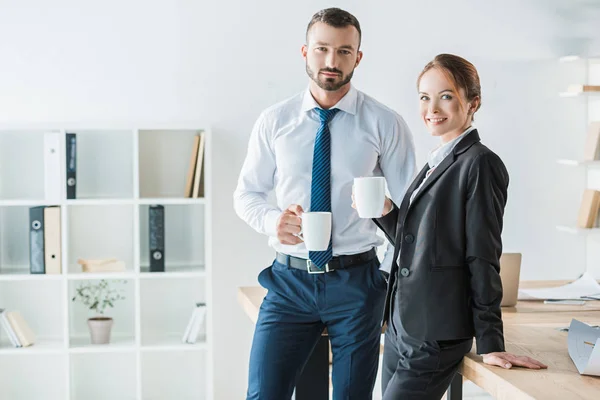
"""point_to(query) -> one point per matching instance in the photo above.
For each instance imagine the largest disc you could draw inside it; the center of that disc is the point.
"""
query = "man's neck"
(325, 98)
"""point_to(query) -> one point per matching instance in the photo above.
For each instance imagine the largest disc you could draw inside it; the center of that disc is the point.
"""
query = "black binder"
(36, 240)
(156, 217)
(71, 165)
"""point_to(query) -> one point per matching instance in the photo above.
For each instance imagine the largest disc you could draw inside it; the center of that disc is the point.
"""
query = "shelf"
(164, 158)
(25, 203)
(21, 273)
(121, 172)
(172, 343)
(101, 376)
(101, 275)
(41, 346)
(578, 94)
(122, 312)
(104, 165)
(14, 238)
(578, 231)
(578, 163)
(184, 235)
(99, 202)
(96, 232)
(147, 201)
(166, 308)
(40, 376)
(22, 151)
(40, 303)
(187, 373)
(574, 58)
(81, 344)
(172, 201)
(174, 271)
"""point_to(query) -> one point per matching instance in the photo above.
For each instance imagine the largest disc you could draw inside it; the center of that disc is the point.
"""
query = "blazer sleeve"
(486, 199)
(388, 223)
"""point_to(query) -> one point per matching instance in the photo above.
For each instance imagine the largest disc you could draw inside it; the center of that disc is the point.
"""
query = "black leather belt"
(338, 262)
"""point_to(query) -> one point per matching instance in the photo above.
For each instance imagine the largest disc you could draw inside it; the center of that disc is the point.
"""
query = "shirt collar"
(437, 155)
(347, 103)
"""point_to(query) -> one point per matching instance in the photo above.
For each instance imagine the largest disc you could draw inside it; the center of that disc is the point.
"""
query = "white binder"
(52, 243)
(52, 173)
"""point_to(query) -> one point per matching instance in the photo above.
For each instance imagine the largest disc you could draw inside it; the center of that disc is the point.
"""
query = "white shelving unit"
(579, 163)
(589, 69)
(121, 171)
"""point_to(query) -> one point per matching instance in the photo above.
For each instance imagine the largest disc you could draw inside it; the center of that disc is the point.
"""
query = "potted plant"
(97, 296)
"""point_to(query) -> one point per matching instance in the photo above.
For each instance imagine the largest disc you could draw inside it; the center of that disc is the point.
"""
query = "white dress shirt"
(437, 155)
(367, 139)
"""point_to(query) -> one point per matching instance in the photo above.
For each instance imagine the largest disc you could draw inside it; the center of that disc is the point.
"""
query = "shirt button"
(409, 238)
(404, 272)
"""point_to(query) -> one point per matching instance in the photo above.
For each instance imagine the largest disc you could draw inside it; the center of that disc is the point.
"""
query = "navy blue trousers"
(297, 308)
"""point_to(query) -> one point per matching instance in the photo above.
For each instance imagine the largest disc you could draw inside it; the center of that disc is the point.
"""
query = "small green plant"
(98, 296)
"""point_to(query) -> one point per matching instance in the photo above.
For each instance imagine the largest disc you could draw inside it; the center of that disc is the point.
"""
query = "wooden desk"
(530, 329)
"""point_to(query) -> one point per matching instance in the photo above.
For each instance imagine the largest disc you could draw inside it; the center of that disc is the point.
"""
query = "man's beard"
(329, 84)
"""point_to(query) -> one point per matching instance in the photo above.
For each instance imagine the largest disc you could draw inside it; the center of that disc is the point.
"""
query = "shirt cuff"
(270, 225)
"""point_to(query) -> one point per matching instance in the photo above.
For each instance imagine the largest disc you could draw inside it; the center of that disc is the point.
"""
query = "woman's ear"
(473, 106)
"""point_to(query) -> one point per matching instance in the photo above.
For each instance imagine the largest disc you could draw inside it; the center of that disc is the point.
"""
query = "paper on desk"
(586, 285)
(584, 347)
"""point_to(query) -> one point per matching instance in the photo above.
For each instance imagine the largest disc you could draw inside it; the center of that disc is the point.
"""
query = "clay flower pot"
(100, 328)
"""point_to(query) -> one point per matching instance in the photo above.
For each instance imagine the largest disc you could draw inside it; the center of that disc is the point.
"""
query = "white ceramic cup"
(369, 196)
(316, 230)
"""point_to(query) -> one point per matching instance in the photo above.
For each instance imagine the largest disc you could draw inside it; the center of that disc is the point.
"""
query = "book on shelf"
(45, 252)
(195, 324)
(105, 265)
(592, 142)
(588, 210)
(17, 330)
(194, 185)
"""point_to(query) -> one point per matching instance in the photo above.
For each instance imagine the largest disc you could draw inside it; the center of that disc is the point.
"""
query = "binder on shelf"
(195, 324)
(588, 210)
(36, 240)
(198, 188)
(592, 142)
(156, 218)
(45, 251)
(52, 171)
(71, 158)
(52, 243)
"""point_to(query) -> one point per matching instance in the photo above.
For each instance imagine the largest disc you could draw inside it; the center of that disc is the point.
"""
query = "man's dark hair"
(337, 18)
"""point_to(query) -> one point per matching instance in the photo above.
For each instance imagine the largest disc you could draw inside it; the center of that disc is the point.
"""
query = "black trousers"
(415, 369)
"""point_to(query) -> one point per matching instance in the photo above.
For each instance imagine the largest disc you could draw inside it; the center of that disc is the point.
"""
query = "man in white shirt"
(308, 149)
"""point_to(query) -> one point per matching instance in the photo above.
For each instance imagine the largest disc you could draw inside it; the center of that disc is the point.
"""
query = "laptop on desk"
(510, 270)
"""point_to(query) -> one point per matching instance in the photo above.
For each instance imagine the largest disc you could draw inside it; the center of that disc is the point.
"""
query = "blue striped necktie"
(320, 188)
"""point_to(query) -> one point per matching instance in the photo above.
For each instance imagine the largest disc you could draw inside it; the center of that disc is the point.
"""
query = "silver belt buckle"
(316, 270)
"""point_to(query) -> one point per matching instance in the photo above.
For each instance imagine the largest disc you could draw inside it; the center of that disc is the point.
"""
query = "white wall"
(223, 62)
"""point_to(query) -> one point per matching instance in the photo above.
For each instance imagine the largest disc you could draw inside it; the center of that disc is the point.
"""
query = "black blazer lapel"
(405, 204)
(471, 138)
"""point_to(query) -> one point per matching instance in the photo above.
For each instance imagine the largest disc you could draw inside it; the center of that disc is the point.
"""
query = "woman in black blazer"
(444, 286)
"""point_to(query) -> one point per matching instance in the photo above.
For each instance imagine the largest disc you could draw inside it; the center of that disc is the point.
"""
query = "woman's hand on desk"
(508, 360)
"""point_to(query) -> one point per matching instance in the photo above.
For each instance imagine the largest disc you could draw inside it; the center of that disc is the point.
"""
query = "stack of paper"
(584, 288)
(584, 347)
